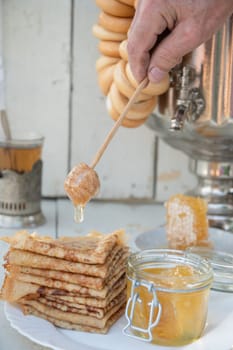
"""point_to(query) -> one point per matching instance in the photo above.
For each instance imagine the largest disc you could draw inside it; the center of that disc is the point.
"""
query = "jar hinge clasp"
(134, 298)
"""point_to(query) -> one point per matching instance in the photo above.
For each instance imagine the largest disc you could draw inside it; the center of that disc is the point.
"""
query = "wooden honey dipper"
(82, 183)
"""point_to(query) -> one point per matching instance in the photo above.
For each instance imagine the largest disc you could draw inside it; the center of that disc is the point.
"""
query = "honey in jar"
(167, 292)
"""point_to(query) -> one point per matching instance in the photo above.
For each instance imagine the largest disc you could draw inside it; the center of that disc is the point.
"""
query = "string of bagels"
(115, 77)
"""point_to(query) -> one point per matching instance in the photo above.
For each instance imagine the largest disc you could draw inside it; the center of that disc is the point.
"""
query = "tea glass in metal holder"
(20, 181)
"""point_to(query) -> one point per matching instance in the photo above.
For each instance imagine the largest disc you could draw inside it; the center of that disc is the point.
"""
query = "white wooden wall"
(51, 87)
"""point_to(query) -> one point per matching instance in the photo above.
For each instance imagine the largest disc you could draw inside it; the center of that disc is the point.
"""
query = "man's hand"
(190, 23)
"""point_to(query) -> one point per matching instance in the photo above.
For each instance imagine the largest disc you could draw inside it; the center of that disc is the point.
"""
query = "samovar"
(196, 117)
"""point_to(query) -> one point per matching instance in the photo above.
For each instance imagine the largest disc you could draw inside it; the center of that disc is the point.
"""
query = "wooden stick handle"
(112, 132)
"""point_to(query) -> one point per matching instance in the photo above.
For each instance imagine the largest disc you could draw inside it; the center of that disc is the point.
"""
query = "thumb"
(170, 51)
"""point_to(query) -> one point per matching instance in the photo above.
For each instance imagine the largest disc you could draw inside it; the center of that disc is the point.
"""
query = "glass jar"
(167, 293)
(221, 263)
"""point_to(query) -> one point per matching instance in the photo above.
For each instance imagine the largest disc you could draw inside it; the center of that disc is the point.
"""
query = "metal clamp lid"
(135, 298)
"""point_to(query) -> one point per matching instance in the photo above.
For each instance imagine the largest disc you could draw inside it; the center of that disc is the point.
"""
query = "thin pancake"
(91, 249)
(80, 308)
(13, 290)
(25, 258)
(29, 310)
(75, 278)
(69, 287)
(92, 302)
(75, 318)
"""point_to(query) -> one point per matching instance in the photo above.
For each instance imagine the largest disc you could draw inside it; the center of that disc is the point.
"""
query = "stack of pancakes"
(75, 283)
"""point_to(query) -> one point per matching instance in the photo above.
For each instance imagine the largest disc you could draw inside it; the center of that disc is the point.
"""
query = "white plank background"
(36, 41)
(173, 175)
(2, 90)
(51, 87)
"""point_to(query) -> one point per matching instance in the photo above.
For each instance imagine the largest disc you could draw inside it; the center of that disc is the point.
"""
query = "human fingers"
(185, 37)
(142, 35)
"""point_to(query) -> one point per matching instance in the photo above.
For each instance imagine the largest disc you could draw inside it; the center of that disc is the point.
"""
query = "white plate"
(218, 333)
(222, 240)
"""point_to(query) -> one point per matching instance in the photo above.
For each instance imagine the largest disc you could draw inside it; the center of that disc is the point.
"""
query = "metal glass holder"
(20, 198)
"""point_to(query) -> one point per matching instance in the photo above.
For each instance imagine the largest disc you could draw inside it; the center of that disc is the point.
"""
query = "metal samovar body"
(196, 117)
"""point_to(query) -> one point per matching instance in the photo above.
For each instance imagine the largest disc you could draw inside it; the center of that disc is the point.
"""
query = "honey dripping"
(79, 213)
(82, 183)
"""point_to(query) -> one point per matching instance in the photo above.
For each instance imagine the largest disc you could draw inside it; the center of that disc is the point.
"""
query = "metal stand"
(20, 196)
(215, 184)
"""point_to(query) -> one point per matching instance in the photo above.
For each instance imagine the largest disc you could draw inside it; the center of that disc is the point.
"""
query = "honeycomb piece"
(187, 222)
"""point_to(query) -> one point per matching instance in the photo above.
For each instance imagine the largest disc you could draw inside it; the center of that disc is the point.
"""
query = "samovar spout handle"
(178, 119)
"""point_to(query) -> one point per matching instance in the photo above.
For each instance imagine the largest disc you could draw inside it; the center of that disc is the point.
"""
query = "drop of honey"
(79, 213)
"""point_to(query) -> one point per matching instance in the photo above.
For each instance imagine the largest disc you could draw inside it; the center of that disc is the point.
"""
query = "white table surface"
(100, 216)
(104, 217)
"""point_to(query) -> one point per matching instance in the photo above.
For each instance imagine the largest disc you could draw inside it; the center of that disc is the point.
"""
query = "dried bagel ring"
(105, 61)
(105, 78)
(123, 83)
(109, 48)
(126, 122)
(114, 24)
(138, 111)
(128, 2)
(123, 50)
(152, 88)
(104, 34)
(115, 8)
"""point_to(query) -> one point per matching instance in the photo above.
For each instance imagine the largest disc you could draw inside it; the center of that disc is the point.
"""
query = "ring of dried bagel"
(128, 2)
(123, 83)
(104, 62)
(116, 8)
(126, 122)
(105, 66)
(105, 34)
(152, 88)
(114, 24)
(140, 110)
(109, 48)
(105, 78)
(123, 50)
